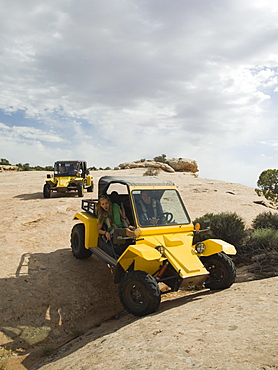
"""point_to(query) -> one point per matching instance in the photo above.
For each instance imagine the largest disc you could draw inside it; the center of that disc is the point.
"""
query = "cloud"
(117, 81)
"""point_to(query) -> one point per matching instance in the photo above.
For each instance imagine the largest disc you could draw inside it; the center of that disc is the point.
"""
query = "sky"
(116, 81)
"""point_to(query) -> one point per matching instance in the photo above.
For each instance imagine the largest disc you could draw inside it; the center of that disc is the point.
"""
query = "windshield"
(159, 207)
(67, 168)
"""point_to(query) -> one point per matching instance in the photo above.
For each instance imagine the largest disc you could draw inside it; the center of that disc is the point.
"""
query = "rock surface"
(231, 329)
(146, 164)
(47, 297)
(8, 167)
(183, 165)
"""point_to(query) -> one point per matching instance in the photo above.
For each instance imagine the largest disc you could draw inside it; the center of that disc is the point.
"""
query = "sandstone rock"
(5, 167)
(145, 164)
(183, 164)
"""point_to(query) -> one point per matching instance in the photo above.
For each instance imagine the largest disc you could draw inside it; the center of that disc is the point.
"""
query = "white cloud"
(116, 81)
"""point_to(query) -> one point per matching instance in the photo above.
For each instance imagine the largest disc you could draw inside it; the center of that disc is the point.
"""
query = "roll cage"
(70, 168)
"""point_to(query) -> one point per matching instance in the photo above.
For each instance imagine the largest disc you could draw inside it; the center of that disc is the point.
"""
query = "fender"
(143, 257)
(91, 232)
(89, 180)
(51, 181)
(214, 246)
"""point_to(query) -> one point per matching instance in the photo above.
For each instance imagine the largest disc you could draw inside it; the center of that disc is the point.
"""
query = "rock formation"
(8, 167)
(171, 165)
(183, 165)
(145, 164)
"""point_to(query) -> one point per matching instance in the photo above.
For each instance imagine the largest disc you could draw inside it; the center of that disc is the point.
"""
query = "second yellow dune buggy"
(69, 176)
(162, 250)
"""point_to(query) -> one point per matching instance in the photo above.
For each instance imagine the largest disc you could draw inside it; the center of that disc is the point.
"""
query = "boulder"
(183, 165)
(8, 167)
(145, 164)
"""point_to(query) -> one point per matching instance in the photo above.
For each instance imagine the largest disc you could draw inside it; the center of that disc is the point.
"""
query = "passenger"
(75, 170)
(63, 169)
(111, 215)
(149, 210)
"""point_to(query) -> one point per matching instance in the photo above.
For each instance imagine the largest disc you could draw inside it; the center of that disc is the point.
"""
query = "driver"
(149, 209)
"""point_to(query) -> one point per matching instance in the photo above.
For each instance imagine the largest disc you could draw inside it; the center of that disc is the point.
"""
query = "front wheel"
(80, 189)
(139, 293)
(46, 191)
(221, 269)
(78, 242)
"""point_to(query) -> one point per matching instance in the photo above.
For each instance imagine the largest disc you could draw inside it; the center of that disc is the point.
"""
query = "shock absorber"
(162, 271)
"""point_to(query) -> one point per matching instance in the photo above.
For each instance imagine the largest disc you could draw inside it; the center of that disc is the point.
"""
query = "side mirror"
(48, 176)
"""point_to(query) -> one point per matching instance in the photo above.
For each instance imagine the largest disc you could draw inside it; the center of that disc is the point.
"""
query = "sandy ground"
(48, 298)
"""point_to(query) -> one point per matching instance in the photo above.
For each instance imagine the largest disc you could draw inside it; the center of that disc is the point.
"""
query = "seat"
(115, 198)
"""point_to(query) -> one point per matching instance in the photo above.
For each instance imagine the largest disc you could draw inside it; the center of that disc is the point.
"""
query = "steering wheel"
(168, 217)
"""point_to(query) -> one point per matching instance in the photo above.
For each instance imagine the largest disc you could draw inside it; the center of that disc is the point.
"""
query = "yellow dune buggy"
(162, 250)
(69, 176)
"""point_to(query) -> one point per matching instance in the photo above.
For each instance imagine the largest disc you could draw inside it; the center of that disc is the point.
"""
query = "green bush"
(226, 226)
(151, 172)
(4, 161)
(265, 220)
(268, 185)
(160, 158)
(264, 239)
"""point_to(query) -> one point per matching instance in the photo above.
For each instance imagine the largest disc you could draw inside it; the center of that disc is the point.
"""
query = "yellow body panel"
(63, 182)
(51, 181)
(217, 245)
(178, 251)
(144, 257)
(90, 222)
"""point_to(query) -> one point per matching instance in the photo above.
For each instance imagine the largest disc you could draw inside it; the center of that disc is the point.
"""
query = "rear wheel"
(139, 293)
(46, 191)
(78, 242)
(222, 271)
(80, 189)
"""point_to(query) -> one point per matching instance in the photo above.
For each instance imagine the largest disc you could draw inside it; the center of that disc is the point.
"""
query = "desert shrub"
(151, 172)
(160, 158)
(263, 239)
(265, 220)
(226, 226)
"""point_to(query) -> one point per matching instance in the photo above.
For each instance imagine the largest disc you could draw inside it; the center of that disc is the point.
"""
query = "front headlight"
(160, 249)
(200, 247)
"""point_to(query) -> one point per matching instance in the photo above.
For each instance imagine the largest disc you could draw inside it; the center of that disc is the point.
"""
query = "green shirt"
(116, 216)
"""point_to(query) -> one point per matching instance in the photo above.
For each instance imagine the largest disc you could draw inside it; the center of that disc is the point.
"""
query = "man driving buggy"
(149, 210)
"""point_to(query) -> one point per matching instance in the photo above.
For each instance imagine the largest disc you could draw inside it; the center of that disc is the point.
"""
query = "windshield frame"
(69, 166)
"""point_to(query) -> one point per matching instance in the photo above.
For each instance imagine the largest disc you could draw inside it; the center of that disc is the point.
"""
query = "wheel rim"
(136, 295)
(216, 272)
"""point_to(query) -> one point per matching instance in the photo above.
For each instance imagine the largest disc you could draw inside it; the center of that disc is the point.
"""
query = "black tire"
(139, 293)
(77, 242)
(46, 191)
(80, 189)
(90, 189)
(222, 271)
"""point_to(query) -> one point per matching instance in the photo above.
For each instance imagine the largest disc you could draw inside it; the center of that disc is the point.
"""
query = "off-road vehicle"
(162, 250)
(69, 176)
